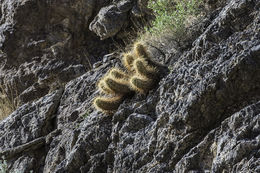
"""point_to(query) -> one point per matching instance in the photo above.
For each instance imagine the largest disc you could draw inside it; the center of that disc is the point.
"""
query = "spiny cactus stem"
(141, 51)
(143, 69)
(119, 86)
(140, 84)
(117, 73)
(107, 104)
(103, 89)
(127, 61)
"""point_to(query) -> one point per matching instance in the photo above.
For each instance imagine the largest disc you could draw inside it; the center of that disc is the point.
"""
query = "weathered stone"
(236, 137)
(41, 41)
(108, 22)
(125, 6)
(30, 121)
(202, 117)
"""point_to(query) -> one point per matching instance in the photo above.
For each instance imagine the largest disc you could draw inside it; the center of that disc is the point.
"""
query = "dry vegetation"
(8, 102)
(173, 19)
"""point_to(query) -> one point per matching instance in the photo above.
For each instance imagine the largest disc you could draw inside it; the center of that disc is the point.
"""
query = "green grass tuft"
(172, 16)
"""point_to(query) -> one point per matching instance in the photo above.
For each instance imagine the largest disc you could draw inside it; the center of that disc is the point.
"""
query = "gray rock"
(23, 132)
(48, 41)
(201, 117)
(24, 164)
(108, 22)
(235, 142)
(125, 6)
(30, 121)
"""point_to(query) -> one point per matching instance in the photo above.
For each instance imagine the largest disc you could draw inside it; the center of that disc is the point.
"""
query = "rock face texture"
(204, 115)
(45, 44)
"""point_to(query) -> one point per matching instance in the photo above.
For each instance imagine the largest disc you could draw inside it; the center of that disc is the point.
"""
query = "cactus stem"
(118, 86)
(103, 89)
(141, 51)
(143, 69)
(107, 104)
(140, 84)
(117, 73)
(127, 61)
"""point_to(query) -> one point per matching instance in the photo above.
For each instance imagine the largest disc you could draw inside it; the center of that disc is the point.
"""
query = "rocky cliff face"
(45, 44)
(204, 115)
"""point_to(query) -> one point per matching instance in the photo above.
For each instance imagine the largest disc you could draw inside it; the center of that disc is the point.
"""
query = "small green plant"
(86, 114)
(77, 125)
(171, 16)
(3, 166)
(171, 68)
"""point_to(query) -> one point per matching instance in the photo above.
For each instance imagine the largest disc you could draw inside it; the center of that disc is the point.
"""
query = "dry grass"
(8, 103)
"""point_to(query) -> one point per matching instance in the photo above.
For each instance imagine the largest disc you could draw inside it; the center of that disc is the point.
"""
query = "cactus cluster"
(141, 76)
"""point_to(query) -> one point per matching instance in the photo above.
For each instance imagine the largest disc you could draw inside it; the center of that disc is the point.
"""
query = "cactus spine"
(141, 51)
(118, 86)
(141, 77)
(140, 84)
(107, 104)
(103, 89)
(143, 69)
(127, 61)
(117, 74)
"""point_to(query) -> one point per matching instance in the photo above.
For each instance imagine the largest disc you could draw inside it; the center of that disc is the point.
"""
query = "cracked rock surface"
(45, 44)
(203, 116)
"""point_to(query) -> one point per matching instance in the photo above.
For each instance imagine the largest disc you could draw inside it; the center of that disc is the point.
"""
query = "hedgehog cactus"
(141, 85)
(143, 75)
(127, 61)
(143, 69)
(117, 74)
(141, 51)
(107, 104)
(118, 86)
(103, 89)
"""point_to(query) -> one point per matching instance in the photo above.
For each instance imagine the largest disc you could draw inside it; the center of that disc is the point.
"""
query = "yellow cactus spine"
(103, 89)
(107, 104)
(118, 86)
(143, 69)
(127, 61)
(116, 73)
(141, 51)
(140, 84)
(141, 76)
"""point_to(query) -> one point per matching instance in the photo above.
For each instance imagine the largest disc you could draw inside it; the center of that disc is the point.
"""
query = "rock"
(30, 121)
(24, 130)
(203, 116)
(108, 22)
(41, 42)
(236, 137)
(135, 122)
(24, 164)
(125, 6)
(32, 93)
